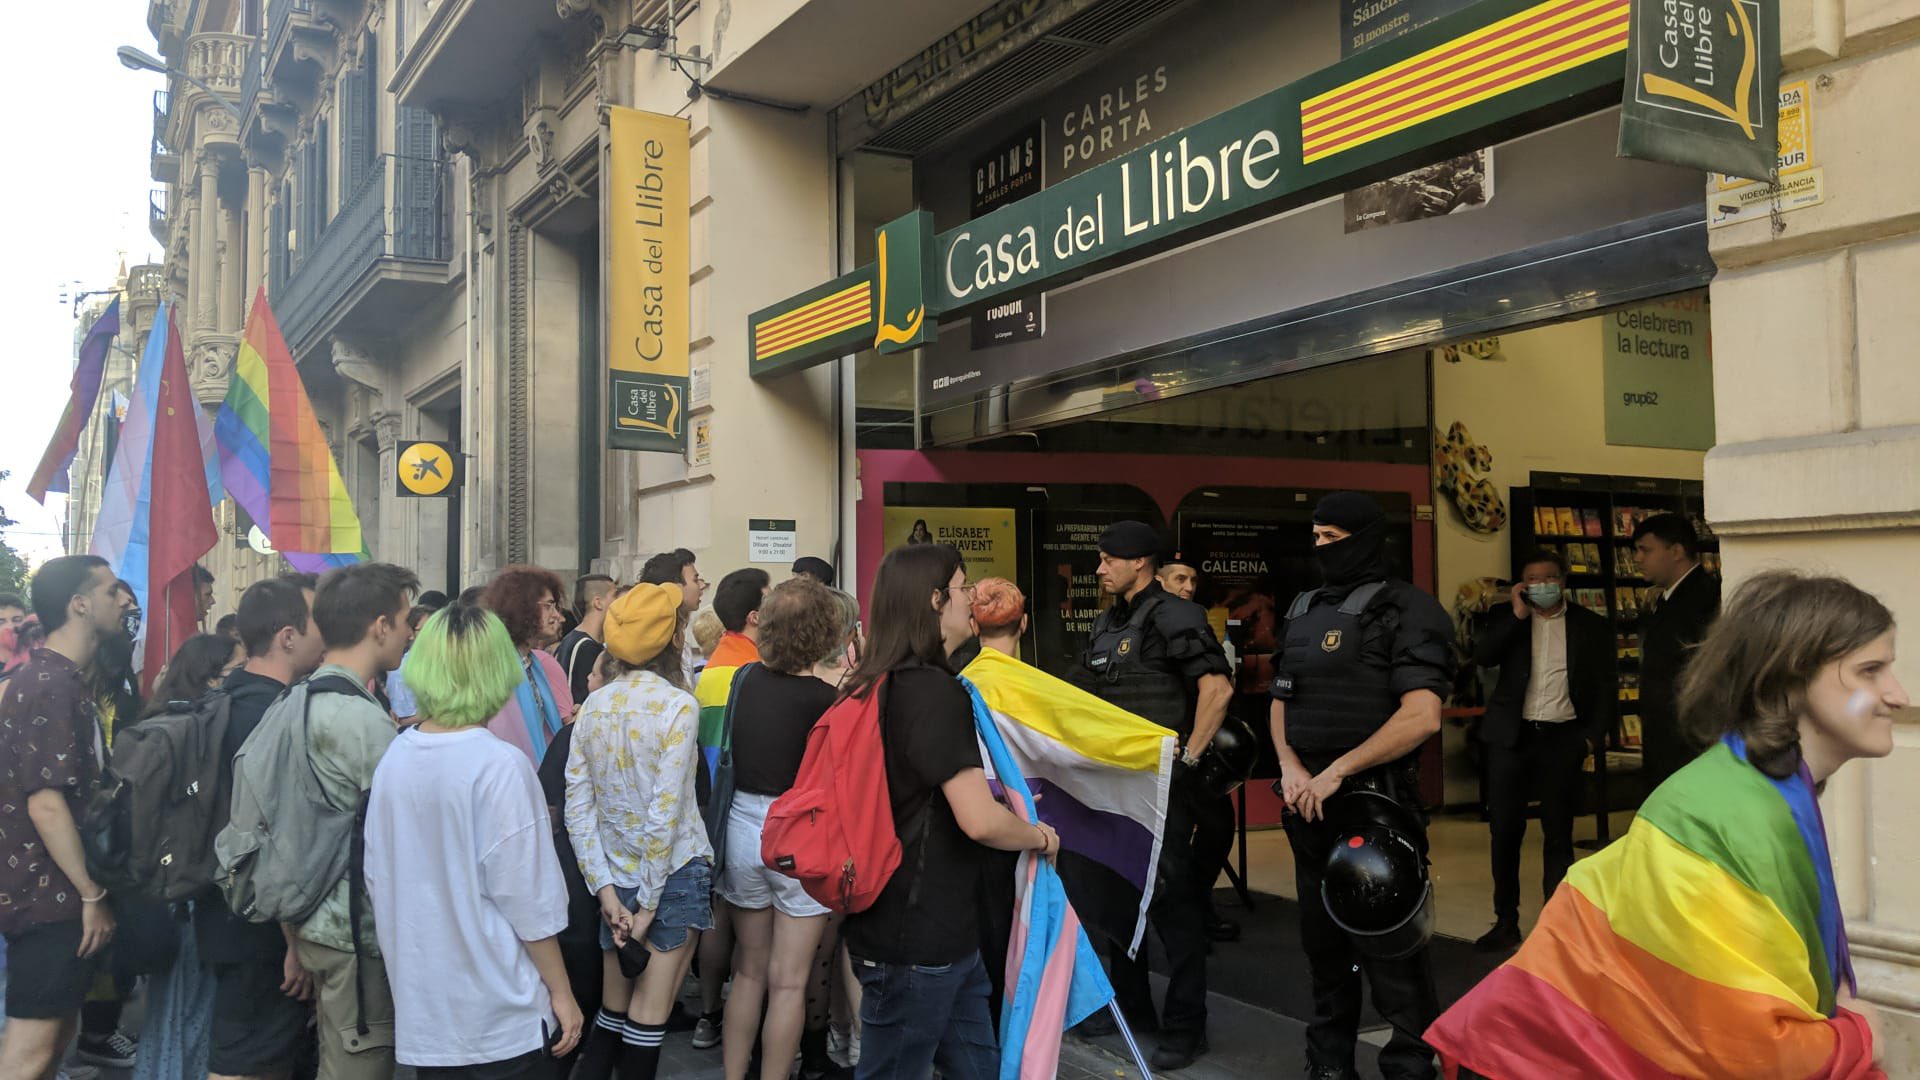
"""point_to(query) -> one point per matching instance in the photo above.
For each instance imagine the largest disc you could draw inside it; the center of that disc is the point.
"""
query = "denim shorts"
(686, 905)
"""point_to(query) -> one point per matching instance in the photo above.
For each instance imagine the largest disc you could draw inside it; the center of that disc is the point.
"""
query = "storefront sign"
(1702, 88)
(773, 540)
(1008, 173)
(424, 469)
(1758, 199)
(900, 263)
(647, 281)
(1659, 375)
(1530, 61)
(824, 322)
(985, 536)
(1445, 187)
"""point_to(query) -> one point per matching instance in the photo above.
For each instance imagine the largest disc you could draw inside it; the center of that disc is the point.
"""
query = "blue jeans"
(916, 1016)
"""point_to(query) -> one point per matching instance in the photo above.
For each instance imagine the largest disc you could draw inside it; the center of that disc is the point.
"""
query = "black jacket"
(1668, 635)
(1507, 643)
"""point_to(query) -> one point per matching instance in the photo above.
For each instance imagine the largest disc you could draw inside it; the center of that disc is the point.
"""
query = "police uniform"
(1147, 655)
(1216, 823)
(1349, 651)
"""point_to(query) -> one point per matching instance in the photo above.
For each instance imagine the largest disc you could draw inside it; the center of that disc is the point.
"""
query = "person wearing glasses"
(1153, 654)
(677, 568)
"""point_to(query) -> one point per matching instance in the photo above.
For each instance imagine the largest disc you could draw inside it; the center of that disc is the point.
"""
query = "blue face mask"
(1544, 595)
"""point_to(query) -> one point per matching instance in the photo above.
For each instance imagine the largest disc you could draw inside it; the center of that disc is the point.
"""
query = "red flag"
(182, 529)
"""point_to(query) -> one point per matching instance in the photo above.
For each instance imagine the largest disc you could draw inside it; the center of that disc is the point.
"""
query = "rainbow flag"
(1102, 773)
(1054, 978)
(1706, 942)
(274, 459)
(715, 687)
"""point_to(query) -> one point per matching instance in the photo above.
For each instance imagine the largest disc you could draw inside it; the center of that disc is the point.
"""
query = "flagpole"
(1119, 1021)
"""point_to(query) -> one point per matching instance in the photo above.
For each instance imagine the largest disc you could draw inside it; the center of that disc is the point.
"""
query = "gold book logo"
(1740, 112)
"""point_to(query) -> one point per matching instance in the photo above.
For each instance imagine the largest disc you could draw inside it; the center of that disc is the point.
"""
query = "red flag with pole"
(182, 529)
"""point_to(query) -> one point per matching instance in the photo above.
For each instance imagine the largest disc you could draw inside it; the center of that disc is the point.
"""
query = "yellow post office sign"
(424, 470)
(646, 208)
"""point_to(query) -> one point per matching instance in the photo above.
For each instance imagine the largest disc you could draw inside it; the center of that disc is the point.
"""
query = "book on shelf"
(1569, 525)
(1590, 523)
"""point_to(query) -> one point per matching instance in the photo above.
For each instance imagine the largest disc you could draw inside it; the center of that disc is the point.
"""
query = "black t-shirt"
(926, 914)
(224, 938)
(772, 714)
(577, 653)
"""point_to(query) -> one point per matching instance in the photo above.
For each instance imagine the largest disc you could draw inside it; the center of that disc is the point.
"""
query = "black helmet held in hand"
(1375, 885)
(1229, 759)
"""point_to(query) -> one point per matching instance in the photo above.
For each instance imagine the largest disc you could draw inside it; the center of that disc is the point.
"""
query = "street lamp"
(136, 60)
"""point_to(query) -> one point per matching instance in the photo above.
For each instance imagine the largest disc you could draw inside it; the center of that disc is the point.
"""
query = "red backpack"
(833, 830)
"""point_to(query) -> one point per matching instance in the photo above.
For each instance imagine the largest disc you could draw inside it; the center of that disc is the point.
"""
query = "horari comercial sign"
(1494, 70)
(647, 281)
(1703, 84)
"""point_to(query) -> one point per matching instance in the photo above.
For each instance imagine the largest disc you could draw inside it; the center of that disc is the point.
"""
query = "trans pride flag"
(1706, 942)
(1102, 774)
(1054, 979)
(274, 459)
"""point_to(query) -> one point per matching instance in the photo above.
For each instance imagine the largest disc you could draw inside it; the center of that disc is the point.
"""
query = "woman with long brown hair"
(1709, 940)
(528, 600)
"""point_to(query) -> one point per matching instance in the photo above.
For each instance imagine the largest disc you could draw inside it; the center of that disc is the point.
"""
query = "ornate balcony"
(300, 48)
(385, 252)
(268, 119)
(166, 163)
(219, 60)
(157, 215)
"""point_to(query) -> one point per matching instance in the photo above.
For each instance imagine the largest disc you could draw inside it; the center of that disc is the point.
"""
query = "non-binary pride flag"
(274, 458)
(1102, 773)
(1707, 942)
(1054, 978)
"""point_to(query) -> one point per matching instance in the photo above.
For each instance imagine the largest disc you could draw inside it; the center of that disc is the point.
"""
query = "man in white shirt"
(1553, 705)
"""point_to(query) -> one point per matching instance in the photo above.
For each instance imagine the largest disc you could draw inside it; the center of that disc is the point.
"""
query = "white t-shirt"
(461, 868)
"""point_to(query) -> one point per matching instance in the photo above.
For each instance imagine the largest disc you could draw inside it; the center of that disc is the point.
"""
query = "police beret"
(1349, 510)
(1130, 540)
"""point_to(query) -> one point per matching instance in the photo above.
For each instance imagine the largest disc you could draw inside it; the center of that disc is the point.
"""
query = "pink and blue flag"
(1054, 978)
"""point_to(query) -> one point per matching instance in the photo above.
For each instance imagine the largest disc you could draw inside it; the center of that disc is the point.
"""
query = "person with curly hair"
(528, 600)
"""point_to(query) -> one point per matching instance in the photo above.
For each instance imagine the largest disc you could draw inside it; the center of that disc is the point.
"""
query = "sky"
(82, 129)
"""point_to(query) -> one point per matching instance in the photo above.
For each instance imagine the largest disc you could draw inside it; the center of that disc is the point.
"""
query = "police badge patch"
(1330, 643)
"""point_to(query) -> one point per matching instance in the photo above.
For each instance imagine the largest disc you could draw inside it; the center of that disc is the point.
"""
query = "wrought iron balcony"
(166, 163)
(385, 252)
(157, 215)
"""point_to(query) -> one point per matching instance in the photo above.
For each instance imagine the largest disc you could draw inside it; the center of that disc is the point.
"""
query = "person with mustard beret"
(633, 814)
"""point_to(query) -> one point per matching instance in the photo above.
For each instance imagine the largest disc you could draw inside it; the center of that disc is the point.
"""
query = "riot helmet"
(1375, 885)
(1229, 759)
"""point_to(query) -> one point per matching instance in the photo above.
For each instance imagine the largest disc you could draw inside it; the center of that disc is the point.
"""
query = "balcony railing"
(157, 215)
(251, 80)
(161, 102)
(220, 60)
(166, 164)
(279, 14)
(397, 214)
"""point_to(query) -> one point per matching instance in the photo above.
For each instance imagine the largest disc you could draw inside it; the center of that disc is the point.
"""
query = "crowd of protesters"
(535, 864)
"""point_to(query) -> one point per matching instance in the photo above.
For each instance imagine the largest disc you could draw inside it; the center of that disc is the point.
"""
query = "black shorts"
(46, 978)
(537, 1065)
(256, 1028)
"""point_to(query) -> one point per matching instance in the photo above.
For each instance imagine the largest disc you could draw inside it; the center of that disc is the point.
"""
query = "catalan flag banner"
(1706, 942)
(1533, 45)
(842, 313)
(1102, 774)
(275, 460)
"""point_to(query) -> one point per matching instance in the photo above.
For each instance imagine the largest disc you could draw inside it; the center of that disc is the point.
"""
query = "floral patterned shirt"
(49, 740)
(631, 809)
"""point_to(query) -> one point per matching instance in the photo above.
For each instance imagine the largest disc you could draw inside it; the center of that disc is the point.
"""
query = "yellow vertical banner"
(647, 281)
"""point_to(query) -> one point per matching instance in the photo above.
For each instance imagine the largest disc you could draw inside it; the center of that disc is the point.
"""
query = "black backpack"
(148, 831)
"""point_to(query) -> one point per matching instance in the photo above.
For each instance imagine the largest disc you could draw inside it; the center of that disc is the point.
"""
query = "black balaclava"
(1361, 557)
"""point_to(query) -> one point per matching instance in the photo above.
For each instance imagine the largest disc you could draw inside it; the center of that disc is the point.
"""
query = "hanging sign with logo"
(1010, 172)
(902, 253)
(647, 281)
(424, 470)
(1703, 83)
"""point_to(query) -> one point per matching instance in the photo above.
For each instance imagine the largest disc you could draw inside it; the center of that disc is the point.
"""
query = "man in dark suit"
(1553, 705)
(1686, 600)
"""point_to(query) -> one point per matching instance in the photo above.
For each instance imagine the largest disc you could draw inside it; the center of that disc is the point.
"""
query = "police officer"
(1215, 825)
(1356, 691)
(1153, 654)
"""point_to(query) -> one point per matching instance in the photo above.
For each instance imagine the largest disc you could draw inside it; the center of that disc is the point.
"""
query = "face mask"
(1354, 560)
(131, 623)
(1544, 595)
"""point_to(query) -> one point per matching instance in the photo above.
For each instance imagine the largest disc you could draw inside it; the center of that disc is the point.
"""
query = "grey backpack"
(286, 845)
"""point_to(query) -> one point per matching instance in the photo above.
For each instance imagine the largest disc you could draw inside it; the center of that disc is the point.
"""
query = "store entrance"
(1561, 435)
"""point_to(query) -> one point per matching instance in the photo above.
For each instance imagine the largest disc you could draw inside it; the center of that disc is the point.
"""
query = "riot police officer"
(1356, 691)
(1153, 654)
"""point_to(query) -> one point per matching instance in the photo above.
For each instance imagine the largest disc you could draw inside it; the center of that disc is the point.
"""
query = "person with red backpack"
(916, 949)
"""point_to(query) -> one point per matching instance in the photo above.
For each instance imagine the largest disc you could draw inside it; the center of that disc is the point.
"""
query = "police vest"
(1114, 669)
(1336, 695)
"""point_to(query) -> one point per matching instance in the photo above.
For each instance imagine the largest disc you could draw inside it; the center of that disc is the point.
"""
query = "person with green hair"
(467, 892)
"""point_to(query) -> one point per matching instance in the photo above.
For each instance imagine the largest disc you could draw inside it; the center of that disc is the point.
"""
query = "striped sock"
(612, 1021)
(640, 1051)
